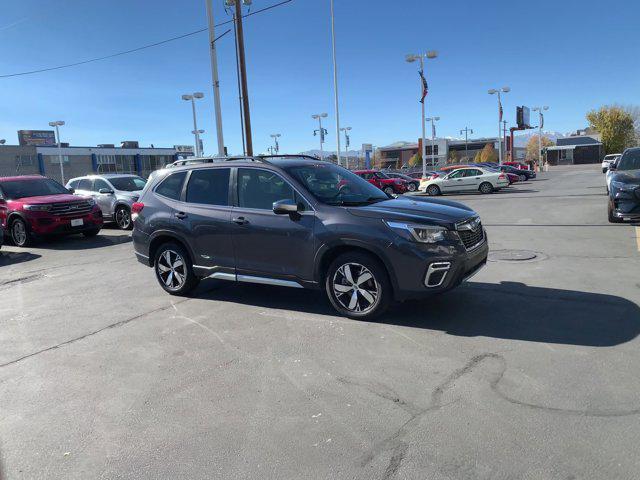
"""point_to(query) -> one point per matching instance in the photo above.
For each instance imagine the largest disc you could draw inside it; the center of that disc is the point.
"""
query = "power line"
(144, 47)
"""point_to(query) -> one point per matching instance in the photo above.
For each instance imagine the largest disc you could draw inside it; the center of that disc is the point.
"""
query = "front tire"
(358, 286)
(612, 217)
(389, 191)
(485, 188)
(412, 187)
(174, 270)
(122, 217)
(20, 234)
(433, 190)
(522, 178)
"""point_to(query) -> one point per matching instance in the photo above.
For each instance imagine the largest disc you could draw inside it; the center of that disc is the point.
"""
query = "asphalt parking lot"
(529, 371)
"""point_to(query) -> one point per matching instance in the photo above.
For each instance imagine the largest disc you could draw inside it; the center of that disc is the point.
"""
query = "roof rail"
(300, 155)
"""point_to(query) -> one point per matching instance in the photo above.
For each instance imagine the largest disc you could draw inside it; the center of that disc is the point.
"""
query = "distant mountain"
(522, 139)
(316, 153)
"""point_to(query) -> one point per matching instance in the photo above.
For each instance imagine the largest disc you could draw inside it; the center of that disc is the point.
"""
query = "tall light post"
(275, 137)
(466, 131)
(200, 143)
(347, 143)
(540, 125)
(56, 124)
(242, 67)
(423, 88)
(214, 77)
(335, 80)
(320, 131)
(433, 121)
(196, 132)
(494, 91)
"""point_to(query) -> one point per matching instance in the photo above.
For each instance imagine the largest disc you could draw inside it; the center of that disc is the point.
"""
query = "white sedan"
(608, 160)
(467, 179)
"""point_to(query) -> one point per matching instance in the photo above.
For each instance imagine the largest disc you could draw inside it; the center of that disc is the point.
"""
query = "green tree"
(615, 125)
(532, 146)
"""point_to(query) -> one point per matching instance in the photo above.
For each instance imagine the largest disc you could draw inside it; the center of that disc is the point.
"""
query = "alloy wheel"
(355, 288)
(19, 233)
(172, 270)
(411, 187)
(123, 218)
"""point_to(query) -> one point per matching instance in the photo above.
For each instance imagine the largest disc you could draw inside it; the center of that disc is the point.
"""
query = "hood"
(627, 176)
(416, 210)
(60, 198)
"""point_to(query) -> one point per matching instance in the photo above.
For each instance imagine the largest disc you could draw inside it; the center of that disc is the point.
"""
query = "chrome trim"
(437, 267)
(469, 224)
(268, 281)
(224, 276)
(141, 255)
(479, 244)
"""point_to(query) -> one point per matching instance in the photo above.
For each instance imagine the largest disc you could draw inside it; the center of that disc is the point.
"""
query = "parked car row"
(464, 179)
(34, 207)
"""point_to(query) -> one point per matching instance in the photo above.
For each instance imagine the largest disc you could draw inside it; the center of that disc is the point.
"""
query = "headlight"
(37, 208)
(418, 233)
(625, 187)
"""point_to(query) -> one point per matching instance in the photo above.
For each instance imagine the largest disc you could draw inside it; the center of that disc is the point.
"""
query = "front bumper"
(626, 204)
(44, 224)
(418, 268)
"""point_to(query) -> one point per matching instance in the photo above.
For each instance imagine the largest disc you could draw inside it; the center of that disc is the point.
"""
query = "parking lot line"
(638, 237)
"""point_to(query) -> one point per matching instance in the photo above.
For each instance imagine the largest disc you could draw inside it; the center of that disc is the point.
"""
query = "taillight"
(502, 176)
(136, 208)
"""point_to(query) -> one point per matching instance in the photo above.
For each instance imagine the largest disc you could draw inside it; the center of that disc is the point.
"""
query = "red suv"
(35, 206)
(383, 182)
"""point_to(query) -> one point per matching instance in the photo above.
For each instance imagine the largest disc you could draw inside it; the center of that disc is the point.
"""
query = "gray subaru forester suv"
(113, 192)
(295, 221)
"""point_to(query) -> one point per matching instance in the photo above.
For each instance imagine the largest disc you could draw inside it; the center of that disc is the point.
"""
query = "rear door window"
(171, 187)
(85, 184)
(209, 186)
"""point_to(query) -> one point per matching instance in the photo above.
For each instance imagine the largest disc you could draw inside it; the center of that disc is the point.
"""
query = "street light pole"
(335, 80)
(214, 77)
(56, 124)
(493, 91)
(275, 137)
(347, 143)
(412, 58)
(540, 122)
(319, 117)
(195, 131)
(433, 138)
(466, 131)
(504, 138)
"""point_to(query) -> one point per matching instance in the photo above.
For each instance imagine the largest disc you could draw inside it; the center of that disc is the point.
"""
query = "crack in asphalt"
(396, 444)
(21, 280)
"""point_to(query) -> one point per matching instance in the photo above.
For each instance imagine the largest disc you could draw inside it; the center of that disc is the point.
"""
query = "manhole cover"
(512, 255)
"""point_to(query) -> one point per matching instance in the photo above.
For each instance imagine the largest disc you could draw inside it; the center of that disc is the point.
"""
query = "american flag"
(425, 86)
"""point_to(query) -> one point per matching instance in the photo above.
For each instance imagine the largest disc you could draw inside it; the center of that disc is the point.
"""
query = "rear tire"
(412, 187)
(358, 286)
(122, 216)
(388, 191)
(20, 234)
(486, 188)
(433, 190)
(522, 178)
(174, 269)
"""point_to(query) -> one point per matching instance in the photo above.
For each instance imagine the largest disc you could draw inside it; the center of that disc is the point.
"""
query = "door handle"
(240, 220)
(180, 215)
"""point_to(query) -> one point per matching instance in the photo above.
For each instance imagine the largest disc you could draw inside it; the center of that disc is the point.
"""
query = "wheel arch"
(162, 237)
(329, 253)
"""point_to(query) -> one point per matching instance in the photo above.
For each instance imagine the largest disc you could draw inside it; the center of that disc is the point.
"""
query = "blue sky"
(570, 55)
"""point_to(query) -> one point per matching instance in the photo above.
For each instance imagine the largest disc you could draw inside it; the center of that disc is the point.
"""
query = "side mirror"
(285, 207)
(105, 191)
(71, 190)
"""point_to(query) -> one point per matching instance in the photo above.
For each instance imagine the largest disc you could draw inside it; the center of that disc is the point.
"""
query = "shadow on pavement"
(12, 258)
(512, 311)
(79, 242)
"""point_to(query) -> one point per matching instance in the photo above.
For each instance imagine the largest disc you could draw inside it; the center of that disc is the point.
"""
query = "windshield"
(33, 187)
(128, 184)
(630, 160)
(335, 185)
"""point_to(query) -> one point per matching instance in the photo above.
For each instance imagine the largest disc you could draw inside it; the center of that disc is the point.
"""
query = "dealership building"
(38, 154)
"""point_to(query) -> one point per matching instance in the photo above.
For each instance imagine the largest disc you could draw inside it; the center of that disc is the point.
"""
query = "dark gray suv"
(303, 223)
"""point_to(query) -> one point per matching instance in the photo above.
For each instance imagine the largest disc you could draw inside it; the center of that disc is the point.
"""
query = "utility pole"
(504, 136)
(466, 131)
(243, 74)
(214, 77)
(498, 91)
(335, 80)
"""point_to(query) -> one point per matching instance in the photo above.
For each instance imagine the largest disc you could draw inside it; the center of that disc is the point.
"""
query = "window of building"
(54, 159)
(171, 187)
(261, 188)
(25, 161)
(209, 186)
